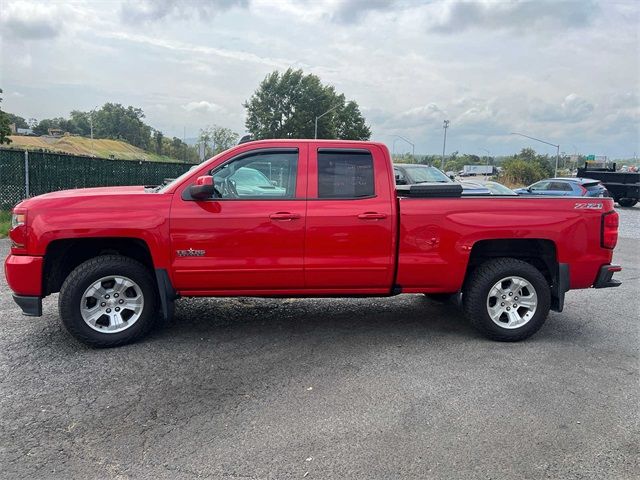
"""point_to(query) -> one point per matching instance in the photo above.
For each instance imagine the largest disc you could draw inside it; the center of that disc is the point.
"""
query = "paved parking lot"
(368, 388)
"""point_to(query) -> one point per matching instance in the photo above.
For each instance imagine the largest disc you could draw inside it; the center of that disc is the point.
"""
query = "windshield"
(499, 189)
(423, 174)
(161, 188)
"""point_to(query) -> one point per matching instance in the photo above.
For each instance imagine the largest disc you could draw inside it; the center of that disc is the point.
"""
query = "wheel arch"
(64, 255)
(540, 253)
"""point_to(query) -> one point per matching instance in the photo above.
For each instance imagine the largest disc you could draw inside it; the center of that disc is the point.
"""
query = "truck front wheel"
(108, 301)
(507, 299)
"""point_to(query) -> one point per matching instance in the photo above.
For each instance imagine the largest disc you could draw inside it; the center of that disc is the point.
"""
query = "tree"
(526, 167)
(217, 139)
(46, 124)
(5, 131)
(157, 141)
(18, 121)
(115, 121)
(80, 123)
(285, 105)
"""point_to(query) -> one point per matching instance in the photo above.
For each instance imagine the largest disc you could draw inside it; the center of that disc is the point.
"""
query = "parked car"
(495, 188)
(120, 256)
(473, 188)
(566, 187)
(414, 174)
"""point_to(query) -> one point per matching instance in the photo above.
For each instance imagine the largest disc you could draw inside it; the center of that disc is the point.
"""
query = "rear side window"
(345, 174)
(560, 186)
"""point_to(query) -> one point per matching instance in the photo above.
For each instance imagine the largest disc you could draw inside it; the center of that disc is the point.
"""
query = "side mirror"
(203, 188)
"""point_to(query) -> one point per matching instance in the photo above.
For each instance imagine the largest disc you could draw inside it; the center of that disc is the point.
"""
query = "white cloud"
(21, 21)
(203, 107)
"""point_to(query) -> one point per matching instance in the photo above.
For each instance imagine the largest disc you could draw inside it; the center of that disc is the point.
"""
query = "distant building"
(24, 131)
(56, 132)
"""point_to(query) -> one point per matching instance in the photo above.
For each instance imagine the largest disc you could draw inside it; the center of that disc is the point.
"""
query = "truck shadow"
(403, 316)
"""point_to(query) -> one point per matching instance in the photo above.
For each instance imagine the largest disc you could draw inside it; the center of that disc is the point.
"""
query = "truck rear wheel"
(108, 301)
(627, 202)
(507, 299)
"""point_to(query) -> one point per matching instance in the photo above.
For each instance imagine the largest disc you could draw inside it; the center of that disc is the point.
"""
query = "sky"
(567, 72)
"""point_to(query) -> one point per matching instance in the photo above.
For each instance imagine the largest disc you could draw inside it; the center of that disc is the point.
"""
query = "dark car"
(412, 174)
(566, 187)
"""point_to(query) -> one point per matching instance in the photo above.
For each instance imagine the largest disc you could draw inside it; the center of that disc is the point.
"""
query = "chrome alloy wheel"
(512, 302)
(112, 304)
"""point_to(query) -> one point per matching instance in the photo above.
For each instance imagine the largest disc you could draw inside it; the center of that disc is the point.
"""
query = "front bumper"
(24, 274)
(604, 278)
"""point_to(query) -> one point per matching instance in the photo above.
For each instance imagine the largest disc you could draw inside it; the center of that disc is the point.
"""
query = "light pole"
(444, 143)
(315, 134)
(555, 172)
(91, 126)
(400, 137)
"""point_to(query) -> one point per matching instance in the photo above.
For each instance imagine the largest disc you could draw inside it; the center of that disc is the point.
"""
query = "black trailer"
(624, 187)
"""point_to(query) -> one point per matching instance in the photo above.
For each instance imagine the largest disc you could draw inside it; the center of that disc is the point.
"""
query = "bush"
(526, 168)
(5, 223)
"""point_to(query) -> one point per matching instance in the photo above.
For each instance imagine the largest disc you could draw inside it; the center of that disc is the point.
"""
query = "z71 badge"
(589, 206)
(190, 253)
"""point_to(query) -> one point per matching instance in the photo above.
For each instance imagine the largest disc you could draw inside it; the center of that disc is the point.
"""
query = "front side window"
(345, 174)
(261, 176)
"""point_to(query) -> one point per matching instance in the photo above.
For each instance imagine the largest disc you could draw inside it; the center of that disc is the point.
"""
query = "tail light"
(609, 232)
(18, 232)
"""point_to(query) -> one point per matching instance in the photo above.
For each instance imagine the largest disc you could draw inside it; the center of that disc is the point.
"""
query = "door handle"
(284, 216)
(372, 216)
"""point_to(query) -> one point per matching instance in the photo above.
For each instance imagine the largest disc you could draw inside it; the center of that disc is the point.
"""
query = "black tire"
(479, 285)
(627, 202)
(91, 271)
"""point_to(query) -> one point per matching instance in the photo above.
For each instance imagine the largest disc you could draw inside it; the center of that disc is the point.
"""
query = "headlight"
(17, 220)
(18, 232)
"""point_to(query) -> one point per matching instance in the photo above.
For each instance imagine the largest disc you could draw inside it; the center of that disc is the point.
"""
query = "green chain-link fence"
(38, 172)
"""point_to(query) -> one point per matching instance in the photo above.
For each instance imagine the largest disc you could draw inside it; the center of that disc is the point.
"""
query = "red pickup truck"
(302, 218)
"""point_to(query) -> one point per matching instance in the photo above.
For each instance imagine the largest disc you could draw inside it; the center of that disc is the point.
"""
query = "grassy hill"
(83, 146)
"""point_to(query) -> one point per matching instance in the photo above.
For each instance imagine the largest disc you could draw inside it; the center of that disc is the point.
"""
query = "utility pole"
(315, 134)
(444, 144)
(91, 126)
(555, 172)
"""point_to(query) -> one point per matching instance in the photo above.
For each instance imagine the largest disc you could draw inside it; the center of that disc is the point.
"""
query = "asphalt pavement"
(332, 388)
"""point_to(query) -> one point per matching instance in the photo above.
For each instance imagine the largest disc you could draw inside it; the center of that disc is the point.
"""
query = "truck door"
(350, 239)
(252, 238)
